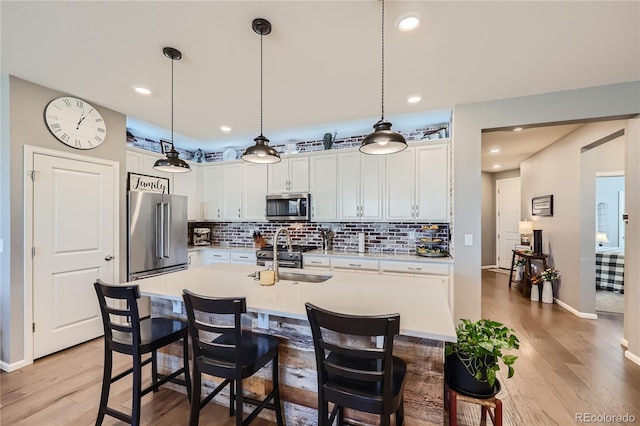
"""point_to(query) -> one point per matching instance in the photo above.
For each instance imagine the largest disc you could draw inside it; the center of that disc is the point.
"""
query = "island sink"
(308, 278)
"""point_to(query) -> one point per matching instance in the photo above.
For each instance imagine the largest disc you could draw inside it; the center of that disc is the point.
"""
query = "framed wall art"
(146, 183)
(542, 206)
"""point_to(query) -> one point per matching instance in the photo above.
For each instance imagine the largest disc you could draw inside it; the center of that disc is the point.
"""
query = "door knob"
(108, 257)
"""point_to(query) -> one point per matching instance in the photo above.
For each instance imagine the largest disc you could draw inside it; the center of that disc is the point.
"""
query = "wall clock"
(75, 122)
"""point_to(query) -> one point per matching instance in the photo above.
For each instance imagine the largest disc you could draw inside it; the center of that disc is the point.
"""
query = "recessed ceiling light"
(414, 99)
(496, 166)
(225, 129)
(495, 150)
(517, 129)
(142, 90)
(408, 21)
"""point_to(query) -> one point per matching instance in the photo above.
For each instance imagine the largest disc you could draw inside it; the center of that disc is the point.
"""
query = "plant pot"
(461, 380)
(547, 292)
(535, 293)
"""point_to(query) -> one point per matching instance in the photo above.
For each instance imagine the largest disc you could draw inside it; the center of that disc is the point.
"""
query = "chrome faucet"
(275, 250)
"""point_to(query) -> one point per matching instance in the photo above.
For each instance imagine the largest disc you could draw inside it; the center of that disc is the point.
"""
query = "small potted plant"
(548, 276)
(471, 363)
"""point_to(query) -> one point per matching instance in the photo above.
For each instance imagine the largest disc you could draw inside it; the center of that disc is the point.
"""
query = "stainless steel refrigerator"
(157, 242)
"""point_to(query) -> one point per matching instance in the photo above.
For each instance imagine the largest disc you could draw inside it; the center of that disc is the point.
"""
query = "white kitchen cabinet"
(243, 257)
(289, 175)
(232, 192)
(360, 183)
(354, 264)
(323, 187)
(189, 184)
(432, 183)
(254, 192)
(316, 262)
(193, 260)
(417, 184)
(212, 192)
(211, 256)
(134, 162)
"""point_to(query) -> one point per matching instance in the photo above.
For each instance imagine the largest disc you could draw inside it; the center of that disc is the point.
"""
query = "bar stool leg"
(196, 389)
(232, 398)
(137, 390)
(239, 402)
(106, 384)
(400, 414)
(276, 391)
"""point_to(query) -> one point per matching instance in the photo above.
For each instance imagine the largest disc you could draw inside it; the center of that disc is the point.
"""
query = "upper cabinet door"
(134, 162)
(299, 174)
(348, 186)
(400, 186)
(323, 175)
(187, 184)
(254, 191)
(371, 183)
(289, 175)
(432, 182)
(212, 192)
(232, 192)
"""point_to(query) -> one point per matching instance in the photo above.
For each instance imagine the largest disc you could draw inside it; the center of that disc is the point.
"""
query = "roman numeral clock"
(75, 122)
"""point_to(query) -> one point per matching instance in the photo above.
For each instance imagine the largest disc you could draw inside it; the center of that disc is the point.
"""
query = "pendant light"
(383, 140)
(173, 163)
(261, 152)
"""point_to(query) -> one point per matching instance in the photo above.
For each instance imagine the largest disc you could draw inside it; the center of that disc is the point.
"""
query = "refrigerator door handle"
(159, 231)
(166, 232)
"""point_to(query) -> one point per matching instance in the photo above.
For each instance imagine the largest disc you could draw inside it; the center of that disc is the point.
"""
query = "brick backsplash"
(391, 237)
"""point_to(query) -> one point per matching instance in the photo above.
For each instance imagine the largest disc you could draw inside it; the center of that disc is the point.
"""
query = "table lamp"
(601, 237)
(525, 228)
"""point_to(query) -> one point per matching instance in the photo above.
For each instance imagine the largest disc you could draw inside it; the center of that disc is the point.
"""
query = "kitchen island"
(425, 323)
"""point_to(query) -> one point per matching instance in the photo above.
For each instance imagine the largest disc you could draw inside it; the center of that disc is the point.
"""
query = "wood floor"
(566, 366)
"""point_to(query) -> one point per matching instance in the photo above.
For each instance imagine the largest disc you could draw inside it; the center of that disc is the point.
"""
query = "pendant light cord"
(382, 97)
(261, 37)
(172, 61)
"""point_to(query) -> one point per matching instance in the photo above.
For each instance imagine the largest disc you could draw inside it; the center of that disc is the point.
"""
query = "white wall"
(569, 175)
(469, 120)
(23, 122)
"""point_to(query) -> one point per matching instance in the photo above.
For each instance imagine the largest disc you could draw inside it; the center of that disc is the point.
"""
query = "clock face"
(229, 154)
(75, 122)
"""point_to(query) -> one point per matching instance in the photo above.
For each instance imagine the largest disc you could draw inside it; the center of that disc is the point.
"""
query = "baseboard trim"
(13, 367)
(624, 343)
(490, 267)
(574, 311)
(632, 357)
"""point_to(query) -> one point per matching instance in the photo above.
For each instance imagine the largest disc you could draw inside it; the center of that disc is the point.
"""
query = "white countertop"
(423, 308)
(380, 256)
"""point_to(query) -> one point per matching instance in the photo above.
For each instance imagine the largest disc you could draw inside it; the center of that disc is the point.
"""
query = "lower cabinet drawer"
(355, 264)
(316, 262)
(414, 267)
(241, 257)
(208, 257)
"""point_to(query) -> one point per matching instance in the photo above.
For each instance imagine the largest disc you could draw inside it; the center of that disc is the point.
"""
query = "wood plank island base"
(425, 324)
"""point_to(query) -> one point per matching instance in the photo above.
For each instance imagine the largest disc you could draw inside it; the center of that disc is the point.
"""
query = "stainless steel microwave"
(289, 207)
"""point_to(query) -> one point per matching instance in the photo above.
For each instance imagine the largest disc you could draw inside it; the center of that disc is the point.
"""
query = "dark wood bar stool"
(125, 332)
(355, 370)
(222, 349)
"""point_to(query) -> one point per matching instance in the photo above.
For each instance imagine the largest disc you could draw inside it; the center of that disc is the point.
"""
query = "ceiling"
(321, 61)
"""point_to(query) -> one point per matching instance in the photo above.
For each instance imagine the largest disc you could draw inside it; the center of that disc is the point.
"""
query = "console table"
(529, 258)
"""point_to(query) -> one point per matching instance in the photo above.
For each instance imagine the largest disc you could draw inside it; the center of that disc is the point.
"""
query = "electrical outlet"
(468, 239)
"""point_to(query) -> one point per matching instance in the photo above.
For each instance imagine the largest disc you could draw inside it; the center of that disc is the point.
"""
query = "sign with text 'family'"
(146, 183)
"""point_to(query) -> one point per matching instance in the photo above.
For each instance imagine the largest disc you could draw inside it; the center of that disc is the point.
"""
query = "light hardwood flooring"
(566, 366)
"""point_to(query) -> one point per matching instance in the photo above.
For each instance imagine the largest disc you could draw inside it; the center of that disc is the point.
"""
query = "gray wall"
(562, 170)
(489, 213)
(25, 126)
(468, 122)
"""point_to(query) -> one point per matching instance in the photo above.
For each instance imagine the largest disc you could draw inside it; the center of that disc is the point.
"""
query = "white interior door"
(508, 216)
(74, 240)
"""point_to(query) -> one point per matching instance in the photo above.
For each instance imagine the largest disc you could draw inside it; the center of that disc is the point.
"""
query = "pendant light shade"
(173, 163)
(383, 140)
(261, 152)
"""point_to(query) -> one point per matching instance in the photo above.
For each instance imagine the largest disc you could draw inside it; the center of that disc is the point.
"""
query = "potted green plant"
(471, 363)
